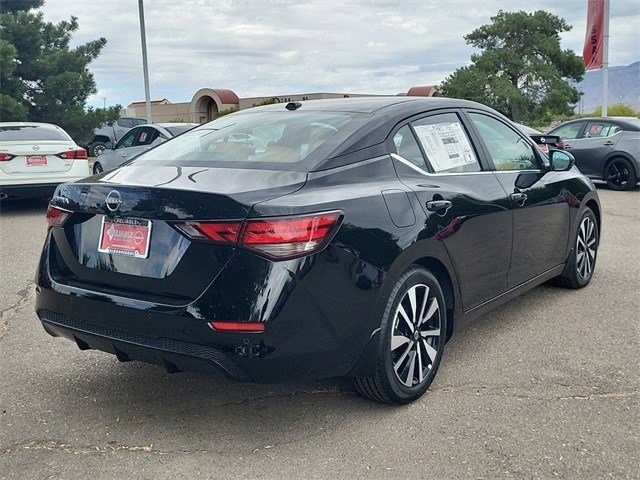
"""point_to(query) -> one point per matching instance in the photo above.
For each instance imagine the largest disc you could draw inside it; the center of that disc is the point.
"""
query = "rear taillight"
(5, 157)
(56, 216)
(279, 238)
(79, 153)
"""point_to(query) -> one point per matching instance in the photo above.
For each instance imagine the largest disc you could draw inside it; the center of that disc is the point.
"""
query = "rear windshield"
(31, 133)
(178, 129)
(294, 141)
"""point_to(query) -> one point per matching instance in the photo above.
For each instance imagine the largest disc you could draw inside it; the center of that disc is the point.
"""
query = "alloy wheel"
(97, 168)
(416, 335)
(618, 174)
(586, 246)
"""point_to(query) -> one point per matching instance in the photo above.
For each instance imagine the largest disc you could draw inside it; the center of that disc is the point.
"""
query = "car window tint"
(598, 130)
(31, 133)
(446, 144)
(127, 139)
(407, 147)
(508, 150)
(281, 140)
(569, 131)
(146, 136)
(125, 122)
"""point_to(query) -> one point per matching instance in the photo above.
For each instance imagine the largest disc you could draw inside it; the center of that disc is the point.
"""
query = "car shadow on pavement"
(16, 207)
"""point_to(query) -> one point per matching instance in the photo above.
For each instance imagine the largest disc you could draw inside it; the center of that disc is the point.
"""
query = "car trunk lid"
(37, 158)
(96, 249)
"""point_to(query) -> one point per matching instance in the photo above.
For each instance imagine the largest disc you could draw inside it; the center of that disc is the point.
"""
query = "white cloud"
(279, 47)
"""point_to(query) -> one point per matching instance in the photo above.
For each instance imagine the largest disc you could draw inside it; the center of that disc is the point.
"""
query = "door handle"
(609, 144)
(519, 197)
(438, 205)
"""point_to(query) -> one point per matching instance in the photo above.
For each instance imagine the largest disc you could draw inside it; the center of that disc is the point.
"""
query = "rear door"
(598, 140)
(464, 201)
(537, 199)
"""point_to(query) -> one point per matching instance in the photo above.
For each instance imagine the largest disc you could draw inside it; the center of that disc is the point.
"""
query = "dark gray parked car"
(137, 140)
(606, 148)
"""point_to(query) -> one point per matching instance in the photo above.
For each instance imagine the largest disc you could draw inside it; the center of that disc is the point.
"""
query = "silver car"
(137, 140)
(605, 148)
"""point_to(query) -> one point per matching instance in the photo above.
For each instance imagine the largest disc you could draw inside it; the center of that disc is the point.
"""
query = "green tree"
(521, 71)
(617, 110)
(43, 79)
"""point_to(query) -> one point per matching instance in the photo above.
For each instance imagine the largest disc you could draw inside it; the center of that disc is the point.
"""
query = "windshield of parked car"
(287, 140)
(31, 133)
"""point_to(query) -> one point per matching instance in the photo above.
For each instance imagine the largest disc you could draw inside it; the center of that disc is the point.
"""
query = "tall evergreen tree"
(43, 79)
(522, 71)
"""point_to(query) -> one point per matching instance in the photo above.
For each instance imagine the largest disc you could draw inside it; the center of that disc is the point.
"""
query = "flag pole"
(145, 66)
(605, 60)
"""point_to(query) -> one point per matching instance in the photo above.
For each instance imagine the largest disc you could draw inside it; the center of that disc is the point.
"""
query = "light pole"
(104, 102)
(145, 67)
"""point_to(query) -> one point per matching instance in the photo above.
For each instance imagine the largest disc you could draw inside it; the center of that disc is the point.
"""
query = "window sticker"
(143, 136)
(446, 145)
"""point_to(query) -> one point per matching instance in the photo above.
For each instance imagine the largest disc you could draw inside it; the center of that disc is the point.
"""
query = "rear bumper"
(318, 316)
(173, 355)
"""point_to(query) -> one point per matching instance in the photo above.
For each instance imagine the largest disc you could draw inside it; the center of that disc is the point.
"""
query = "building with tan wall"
(207, 103)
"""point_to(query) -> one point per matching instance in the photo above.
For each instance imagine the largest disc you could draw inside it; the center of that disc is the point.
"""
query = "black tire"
(620, 174)
(399, 378)
(582, 263)
(96, 148)
(97, 168)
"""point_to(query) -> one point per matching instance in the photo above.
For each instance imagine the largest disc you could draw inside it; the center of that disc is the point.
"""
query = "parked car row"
(135, 141)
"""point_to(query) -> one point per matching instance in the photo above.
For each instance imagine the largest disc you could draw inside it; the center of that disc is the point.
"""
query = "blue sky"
(263, 48)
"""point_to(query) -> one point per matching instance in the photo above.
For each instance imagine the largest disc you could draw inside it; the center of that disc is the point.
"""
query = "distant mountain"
(624, 87)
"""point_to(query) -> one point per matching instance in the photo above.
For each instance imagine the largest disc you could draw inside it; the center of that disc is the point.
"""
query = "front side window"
(127, 139)
(446, 144)
(569, 131)
(508, 150)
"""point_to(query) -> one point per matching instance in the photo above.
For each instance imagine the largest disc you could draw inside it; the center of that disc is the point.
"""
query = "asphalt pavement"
(548, 385)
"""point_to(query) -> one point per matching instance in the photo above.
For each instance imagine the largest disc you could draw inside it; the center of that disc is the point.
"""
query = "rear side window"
(31, 133)
(407, 147)
(446, 144)
(600, 129)
(285, 140)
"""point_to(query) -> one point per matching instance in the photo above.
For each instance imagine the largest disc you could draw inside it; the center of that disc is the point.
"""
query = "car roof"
(171, 124)
(371, 105)
(30, 124)
(630, 123)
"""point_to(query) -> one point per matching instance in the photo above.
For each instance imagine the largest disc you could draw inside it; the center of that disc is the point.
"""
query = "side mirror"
(560, 160)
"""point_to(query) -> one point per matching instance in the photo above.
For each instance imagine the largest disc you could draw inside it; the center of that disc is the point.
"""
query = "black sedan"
(317, 239)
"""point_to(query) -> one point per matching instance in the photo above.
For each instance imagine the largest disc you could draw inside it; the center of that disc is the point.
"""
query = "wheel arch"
(437, 268)
(595, 208)
(618, 154)
(431, 255)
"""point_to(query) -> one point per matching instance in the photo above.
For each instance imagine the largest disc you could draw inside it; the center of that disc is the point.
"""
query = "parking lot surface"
(546, 385)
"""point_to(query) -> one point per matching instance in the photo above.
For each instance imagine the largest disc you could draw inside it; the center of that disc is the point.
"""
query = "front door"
(538, 201)
(597, 141)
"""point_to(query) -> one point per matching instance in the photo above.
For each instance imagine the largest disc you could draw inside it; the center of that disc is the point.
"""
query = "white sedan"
(36, 157)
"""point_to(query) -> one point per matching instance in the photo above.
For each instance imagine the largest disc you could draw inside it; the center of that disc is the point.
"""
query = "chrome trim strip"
(444, 174)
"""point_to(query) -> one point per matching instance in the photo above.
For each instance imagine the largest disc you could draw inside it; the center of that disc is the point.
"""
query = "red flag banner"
(593, 43)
